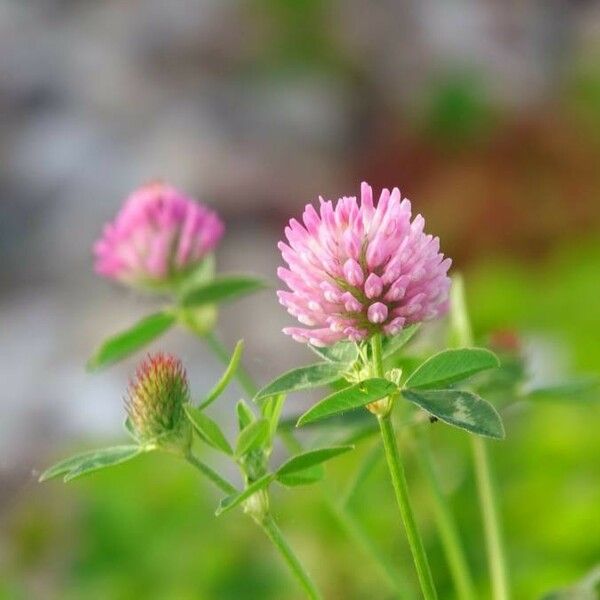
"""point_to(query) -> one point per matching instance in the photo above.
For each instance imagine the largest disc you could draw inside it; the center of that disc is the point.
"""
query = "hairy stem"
(398, 477)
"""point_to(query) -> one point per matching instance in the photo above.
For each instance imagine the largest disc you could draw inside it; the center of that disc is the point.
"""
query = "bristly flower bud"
(155, 402)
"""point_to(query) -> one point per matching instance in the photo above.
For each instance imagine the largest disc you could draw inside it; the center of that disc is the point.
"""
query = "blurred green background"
(486, 115)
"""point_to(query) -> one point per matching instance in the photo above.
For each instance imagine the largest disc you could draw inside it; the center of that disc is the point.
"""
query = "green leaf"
(222, 384)
(573, 389)
(342, 352)
(133, 339)
(271, 410)
(84, 463)
(235, 499)
(450, 366)
(244, 414)
(393, 344)
(351, 397)
(309, 459)
(461, 409)
(303, 378)
(252, 436)
(208, 429)
(221, 289)
(304, 477)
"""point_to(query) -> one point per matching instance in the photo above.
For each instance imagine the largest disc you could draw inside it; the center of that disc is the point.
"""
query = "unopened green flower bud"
(155, 402)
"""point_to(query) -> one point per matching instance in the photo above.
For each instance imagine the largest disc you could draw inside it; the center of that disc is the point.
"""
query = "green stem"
(273, 532)
(400, 485)
(401, 490)
(446, 524)
(268, 524)
(222, 354)
(491, 522)
(463, 336)
(221, 483)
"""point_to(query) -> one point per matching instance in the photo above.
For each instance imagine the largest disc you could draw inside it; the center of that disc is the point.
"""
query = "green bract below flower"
(155, 402)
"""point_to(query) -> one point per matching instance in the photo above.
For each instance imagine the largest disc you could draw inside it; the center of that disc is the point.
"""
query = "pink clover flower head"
(355, 269)
(158, 235)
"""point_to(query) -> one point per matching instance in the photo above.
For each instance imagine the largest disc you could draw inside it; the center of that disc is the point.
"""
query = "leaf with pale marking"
(461, 409)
